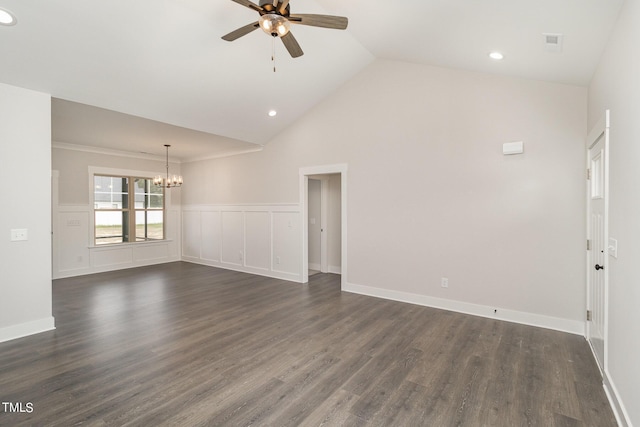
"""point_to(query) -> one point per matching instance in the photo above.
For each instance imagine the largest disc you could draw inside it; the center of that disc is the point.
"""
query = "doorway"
(324, 224)
(323, 195)
(598, 237)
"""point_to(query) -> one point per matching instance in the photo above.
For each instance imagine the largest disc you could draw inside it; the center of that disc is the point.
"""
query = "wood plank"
(186, 344)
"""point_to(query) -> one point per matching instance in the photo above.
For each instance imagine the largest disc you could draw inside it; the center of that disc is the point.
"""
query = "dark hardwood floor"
(189, 345)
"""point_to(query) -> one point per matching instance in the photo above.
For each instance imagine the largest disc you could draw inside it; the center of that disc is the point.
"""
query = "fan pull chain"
(273, 53)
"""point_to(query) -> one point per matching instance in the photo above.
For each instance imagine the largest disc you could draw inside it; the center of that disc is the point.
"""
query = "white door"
(315, 224)
(597, 258)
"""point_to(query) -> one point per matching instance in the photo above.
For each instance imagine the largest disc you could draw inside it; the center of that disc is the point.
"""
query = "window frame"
(131, 215)
(133, 211)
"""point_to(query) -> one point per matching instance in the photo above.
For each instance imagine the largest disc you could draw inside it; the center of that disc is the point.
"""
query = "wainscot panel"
(258, 239)
(76, 254)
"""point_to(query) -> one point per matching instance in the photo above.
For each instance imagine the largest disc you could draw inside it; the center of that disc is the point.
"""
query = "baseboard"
(65, 274)
(28, 328)
(531, 319)
(619, 410)
(291, 277)
(331, 269)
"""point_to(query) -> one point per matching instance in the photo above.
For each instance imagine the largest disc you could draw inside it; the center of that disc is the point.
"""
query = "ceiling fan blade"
(283, 7)
(292, 45)
(242, 31)
(325, 21)
(251, 6)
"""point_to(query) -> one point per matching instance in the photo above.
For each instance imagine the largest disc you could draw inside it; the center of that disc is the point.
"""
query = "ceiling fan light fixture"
(275, 20)
(274, 24)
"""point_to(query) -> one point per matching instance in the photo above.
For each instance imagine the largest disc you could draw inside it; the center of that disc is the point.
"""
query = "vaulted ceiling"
(163, 61)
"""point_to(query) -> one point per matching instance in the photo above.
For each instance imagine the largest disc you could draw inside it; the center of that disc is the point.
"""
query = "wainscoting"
(74, 253)
(258, 239)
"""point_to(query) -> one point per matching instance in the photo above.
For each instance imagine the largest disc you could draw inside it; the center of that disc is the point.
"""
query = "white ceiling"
(74, 124)
(163, 61)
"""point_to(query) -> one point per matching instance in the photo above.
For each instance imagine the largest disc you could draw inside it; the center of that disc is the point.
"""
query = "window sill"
(129, 244)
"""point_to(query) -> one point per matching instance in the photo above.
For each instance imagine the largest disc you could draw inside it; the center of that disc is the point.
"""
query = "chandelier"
(168, 181)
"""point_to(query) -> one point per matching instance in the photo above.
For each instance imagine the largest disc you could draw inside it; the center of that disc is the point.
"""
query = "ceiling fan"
(275, 20)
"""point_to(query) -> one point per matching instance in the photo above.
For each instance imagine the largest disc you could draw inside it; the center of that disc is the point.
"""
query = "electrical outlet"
(19, 234)
(444, 282)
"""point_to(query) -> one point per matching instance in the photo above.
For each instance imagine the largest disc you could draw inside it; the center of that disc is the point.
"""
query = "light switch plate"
(513, 148)
(18, 234)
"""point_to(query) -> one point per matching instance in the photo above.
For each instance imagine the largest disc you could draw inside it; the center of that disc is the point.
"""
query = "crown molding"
(108, 151)
(147, 156)
(227, 154)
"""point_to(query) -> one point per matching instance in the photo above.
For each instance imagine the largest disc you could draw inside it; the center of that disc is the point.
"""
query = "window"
(127, 209)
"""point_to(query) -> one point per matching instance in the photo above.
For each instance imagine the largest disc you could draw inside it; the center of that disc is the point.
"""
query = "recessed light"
(496, 55)
(272, 113)
(7, 18)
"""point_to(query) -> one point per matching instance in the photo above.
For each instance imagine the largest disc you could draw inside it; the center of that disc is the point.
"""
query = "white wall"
(74, 252)
(615, 86)
(73, 164)
(25, 160)
(430, 193)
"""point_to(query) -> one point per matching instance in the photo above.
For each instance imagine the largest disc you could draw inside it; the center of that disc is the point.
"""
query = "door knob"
(599, 267)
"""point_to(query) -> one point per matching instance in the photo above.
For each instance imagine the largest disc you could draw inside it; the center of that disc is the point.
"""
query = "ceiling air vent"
(553, 42)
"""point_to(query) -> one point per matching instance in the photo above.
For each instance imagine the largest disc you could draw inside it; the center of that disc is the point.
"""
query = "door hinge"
(588, 244)
(589, 316)
(588, 174)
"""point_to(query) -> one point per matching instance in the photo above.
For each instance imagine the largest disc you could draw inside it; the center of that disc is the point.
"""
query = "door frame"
(305, 172)
(600, 130)
(324, 213)
(55, 192)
